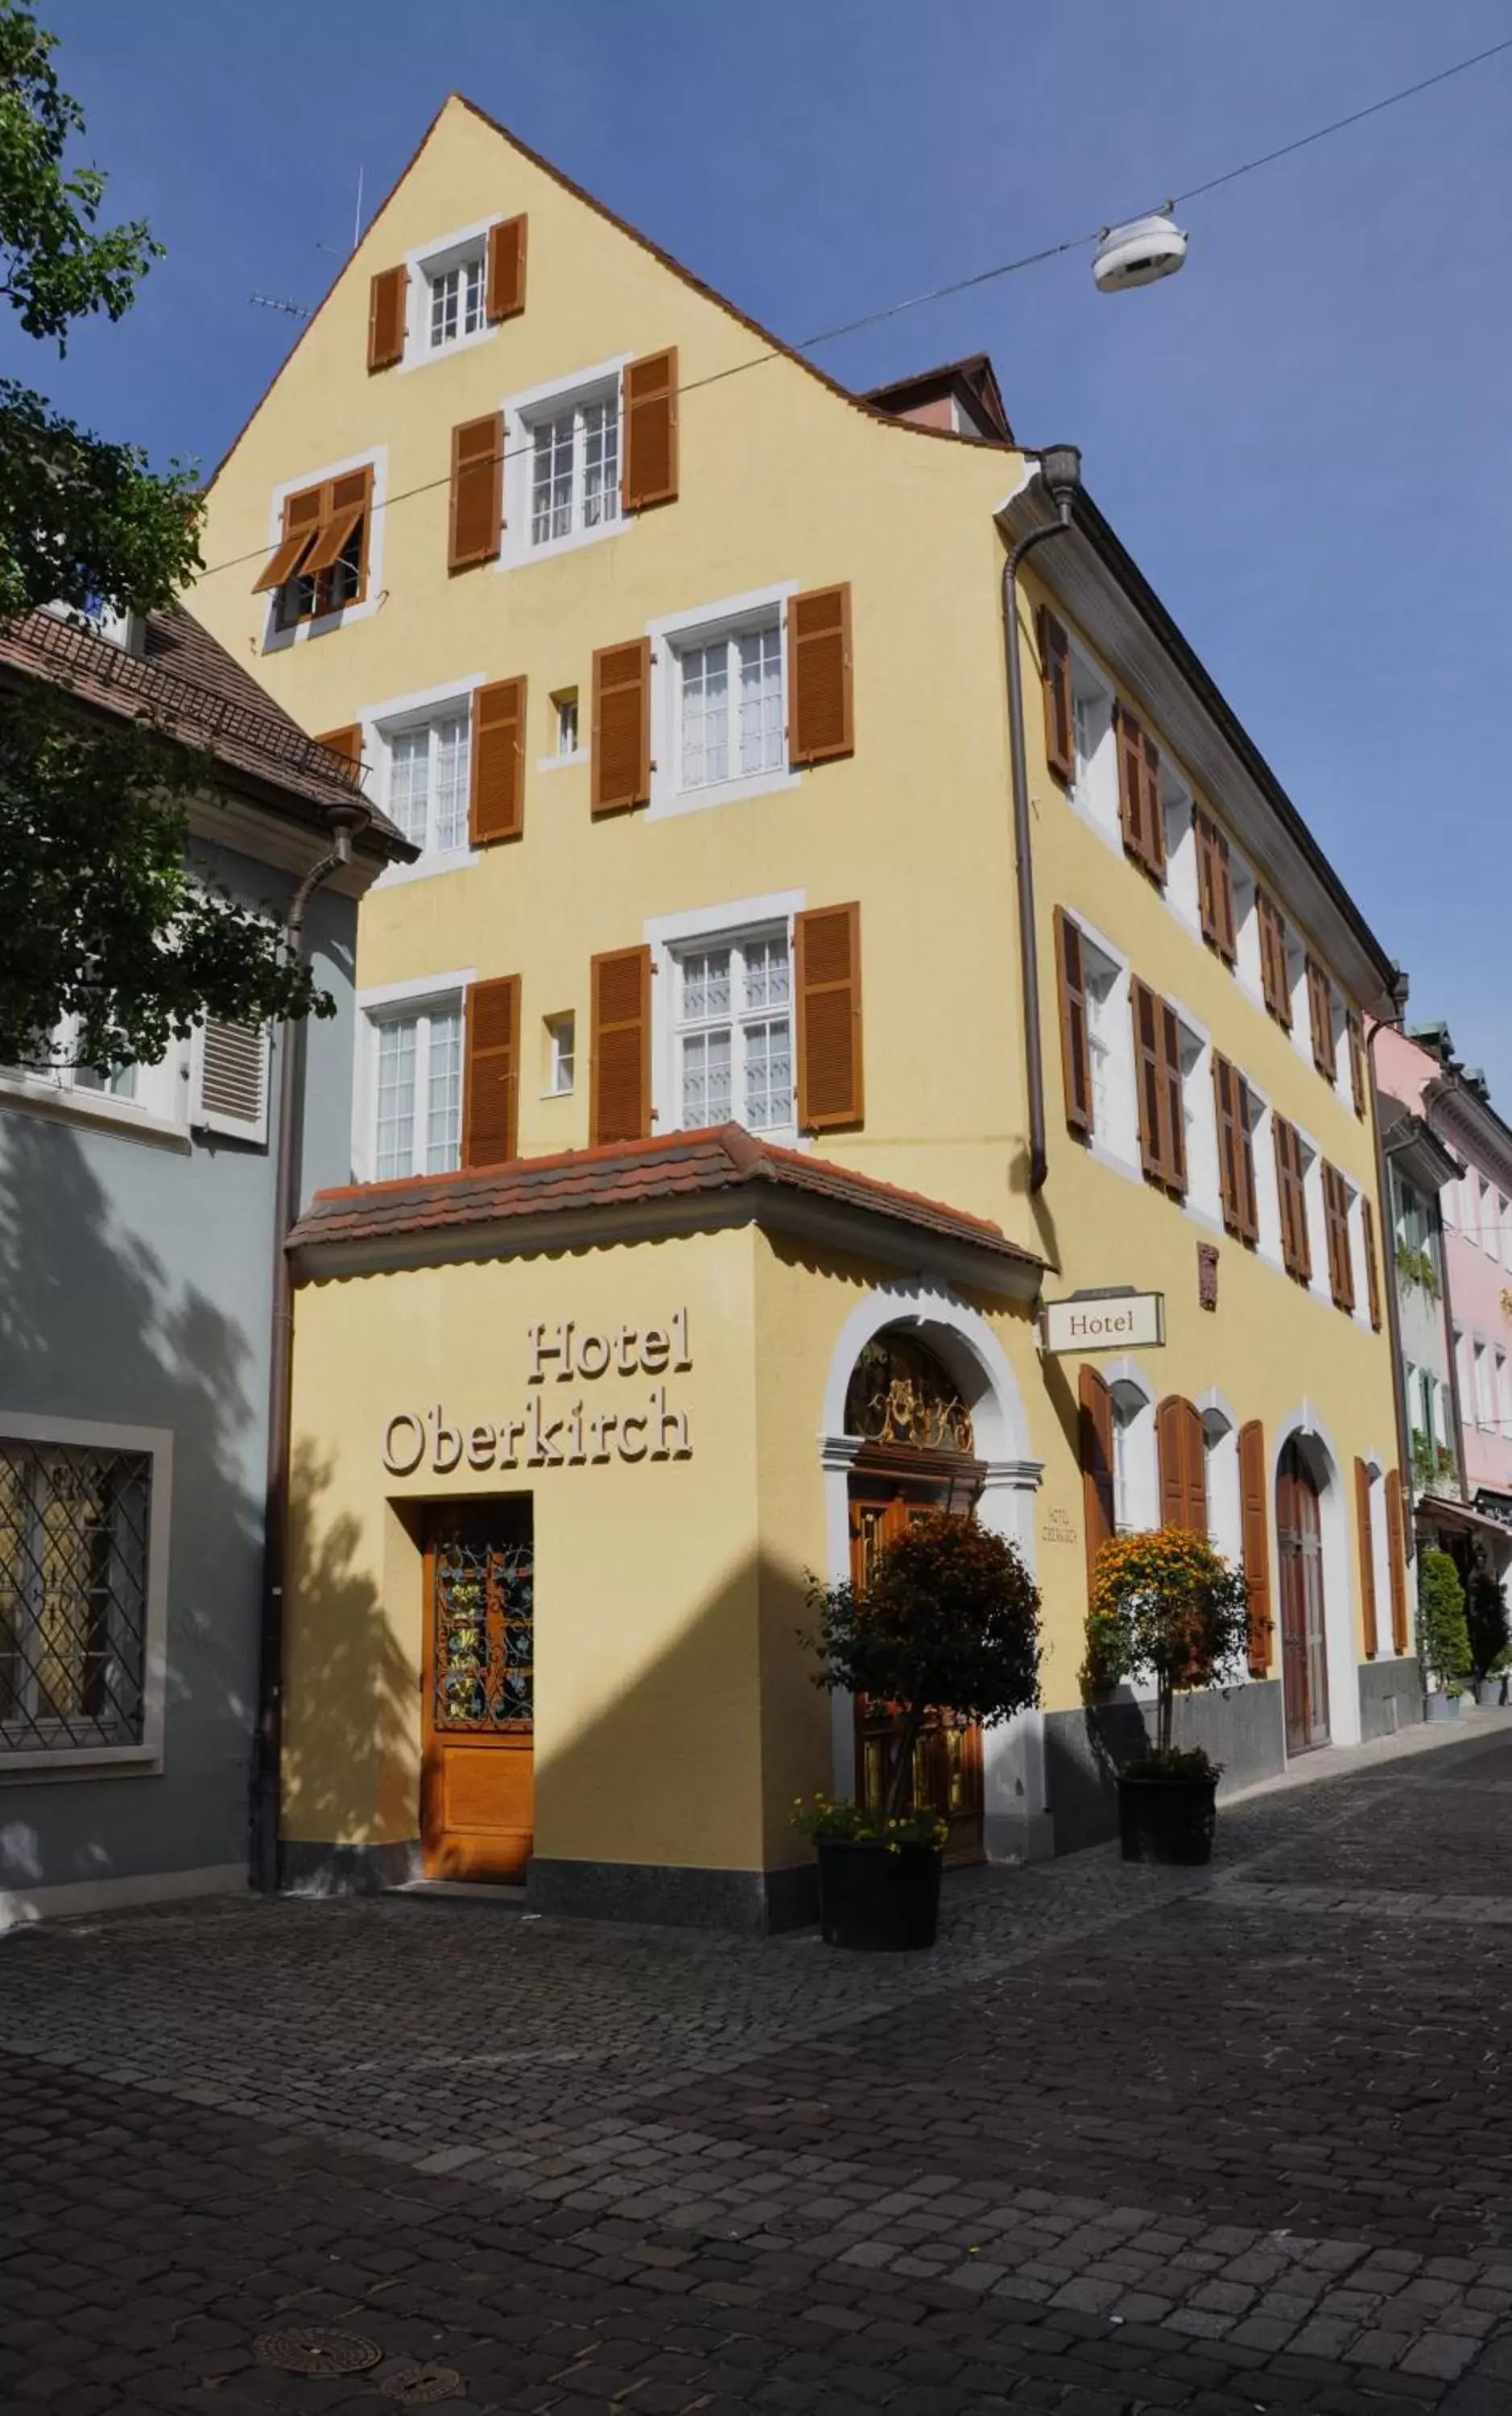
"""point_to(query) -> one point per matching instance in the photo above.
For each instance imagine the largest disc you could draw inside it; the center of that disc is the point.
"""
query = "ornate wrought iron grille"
(485, 1638)
(73, 1595)
(900, 1393)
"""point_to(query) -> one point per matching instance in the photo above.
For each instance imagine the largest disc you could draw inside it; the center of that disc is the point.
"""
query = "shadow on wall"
(1241, 1727)
(95, 1326)
(352, 1691)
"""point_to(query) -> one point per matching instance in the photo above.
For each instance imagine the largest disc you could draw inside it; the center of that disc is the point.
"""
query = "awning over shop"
(1436, 1510)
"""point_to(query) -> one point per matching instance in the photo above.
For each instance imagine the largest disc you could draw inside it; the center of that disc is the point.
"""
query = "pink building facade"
(1449, 1164)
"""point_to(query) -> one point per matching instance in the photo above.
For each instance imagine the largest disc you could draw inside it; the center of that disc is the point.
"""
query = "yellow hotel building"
(702, 1217)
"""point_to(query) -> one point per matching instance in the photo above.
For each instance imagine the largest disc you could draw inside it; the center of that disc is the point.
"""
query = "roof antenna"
(277, 302)
(356, 223)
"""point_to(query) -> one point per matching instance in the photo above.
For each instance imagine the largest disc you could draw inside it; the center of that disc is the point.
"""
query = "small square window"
(560, 1055)
(564, 706)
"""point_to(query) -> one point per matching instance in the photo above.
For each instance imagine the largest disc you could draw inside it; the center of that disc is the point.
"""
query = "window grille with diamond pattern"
(73, 1596)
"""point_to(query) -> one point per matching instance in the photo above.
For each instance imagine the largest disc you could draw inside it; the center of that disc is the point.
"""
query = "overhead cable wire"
(981, 277)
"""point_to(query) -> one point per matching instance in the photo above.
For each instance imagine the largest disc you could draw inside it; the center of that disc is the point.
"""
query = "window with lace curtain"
(733, 1036)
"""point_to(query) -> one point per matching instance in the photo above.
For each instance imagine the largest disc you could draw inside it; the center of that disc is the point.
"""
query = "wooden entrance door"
(947, 1774)
(477, 1775)
(1303, 1648)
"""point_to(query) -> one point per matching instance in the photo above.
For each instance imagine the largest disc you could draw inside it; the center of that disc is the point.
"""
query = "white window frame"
(1199, 1116)
(276, 640)
(1114, 1141)
(426, 993)
(1221, 1477)
(159, 1110)
(523, 413)
(63, 1762)
(1358, 1260)
(1319, 1285)
(1176, 808)
(382, 722)
(669, 936)
(1386, 1640)
(1093, 792)
(705, 624)
(1136, 1461)
(425, 260)
(1268, 1183)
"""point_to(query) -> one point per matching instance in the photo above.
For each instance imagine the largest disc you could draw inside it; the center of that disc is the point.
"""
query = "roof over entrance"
(686, 1182)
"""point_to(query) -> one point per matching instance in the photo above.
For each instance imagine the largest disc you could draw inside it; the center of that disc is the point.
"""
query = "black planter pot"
(882, 1900)
(1166, 1820)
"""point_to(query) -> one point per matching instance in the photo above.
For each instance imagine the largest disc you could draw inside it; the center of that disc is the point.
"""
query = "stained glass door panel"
(477, 1784)
(947, 1769)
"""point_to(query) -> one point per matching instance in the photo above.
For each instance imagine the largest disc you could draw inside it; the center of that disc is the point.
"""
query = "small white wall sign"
(1121, 1321)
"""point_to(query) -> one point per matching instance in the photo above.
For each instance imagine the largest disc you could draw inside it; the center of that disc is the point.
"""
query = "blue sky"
(1304, 438)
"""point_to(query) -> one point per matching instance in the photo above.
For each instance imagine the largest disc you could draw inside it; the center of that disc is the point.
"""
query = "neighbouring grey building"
(137, 1231)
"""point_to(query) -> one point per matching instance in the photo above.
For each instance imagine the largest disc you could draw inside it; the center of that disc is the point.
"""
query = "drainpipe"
(1388, 1253)
(345, 822)
(1060, 467)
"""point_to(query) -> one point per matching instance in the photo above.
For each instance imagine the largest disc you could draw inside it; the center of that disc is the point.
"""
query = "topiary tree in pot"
(947, 1628)
(1443, 1637)
(1166, 1606)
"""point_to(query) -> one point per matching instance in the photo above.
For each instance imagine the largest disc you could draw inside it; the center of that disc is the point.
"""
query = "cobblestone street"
(1127, 2140)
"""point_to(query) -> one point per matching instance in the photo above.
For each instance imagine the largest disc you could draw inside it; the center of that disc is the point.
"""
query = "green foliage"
(948, 1624)
(97, 915)
(1486, 1625)
(1443, 1641)
(1416, 1267)
(844, 1823)
(1165, 1605)
(1174, 1761)
(1434, 1469)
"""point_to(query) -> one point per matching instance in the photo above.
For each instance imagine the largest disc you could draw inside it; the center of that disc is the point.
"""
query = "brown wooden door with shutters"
(477, 1781)
(947, 1760)
(1304, 1649)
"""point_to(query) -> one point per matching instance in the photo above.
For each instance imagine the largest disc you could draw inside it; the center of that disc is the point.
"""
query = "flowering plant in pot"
(1443, 1637)
(1165, 1605)
(947, 1628)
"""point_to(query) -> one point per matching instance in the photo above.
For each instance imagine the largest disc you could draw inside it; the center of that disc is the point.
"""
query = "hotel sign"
(608, 1420)
(1126, 1320)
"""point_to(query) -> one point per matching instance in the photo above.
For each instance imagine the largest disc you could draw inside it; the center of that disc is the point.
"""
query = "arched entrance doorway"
(1303, 1637)
(916, 1452)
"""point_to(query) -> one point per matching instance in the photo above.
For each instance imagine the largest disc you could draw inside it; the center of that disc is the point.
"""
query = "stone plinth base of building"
(1391, 1696)
(1243, 1727)
(757, 1902)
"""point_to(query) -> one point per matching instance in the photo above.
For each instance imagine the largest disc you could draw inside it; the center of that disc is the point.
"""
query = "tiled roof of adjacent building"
(184, 680)
(723, 1166)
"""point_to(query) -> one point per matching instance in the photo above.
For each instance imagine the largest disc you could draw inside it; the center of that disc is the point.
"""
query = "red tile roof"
(188, 683)
(683, 1167)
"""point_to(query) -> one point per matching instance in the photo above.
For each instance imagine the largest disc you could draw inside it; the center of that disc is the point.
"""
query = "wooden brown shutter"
(827, 982)
(622, 727)
(1075, 1056)
(477, 509)
(1144, 1007)
(1096, 1425)
(1254, 1509)
(1336, 1215)
(619, 1048)
(302, 516)
(387, 297)
(1277, 988)
(490, 1080)
(1226, 1115)
(650, 471)
(1321, 1016)
(1397, 1555)
(821, 718)
(1367, 1549)
(1215, 886)
(1296, 1248)
(1372, 1271)
(506, 269)
(1056, 678)
(496, 784)
(1180, 1443)
(346, 741)
(1140, 811)
(1358, 1068)
(1174, 1122)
